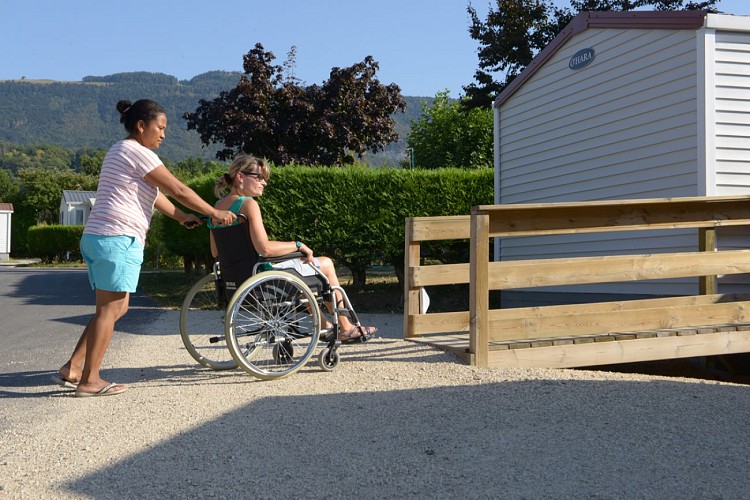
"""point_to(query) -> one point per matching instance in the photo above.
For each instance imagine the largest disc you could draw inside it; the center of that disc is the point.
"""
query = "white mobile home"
(629, 105)
(75, 207)
(6, 210)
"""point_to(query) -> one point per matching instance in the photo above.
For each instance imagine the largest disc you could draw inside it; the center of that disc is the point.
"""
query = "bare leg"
(329, 270)
(86, 360)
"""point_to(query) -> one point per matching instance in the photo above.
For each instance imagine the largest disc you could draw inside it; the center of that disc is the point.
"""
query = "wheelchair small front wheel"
(272, 324)
(202, 326)
(328, 359)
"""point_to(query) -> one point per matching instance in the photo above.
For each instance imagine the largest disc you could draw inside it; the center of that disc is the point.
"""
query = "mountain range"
(78, 115)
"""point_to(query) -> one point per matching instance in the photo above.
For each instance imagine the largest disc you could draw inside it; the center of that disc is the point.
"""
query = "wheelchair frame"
(269, 325)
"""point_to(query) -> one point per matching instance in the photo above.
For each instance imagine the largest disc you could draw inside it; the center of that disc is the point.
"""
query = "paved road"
(42, 314)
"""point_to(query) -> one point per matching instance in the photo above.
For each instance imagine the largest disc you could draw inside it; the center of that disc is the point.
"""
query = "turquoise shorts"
(113, 262)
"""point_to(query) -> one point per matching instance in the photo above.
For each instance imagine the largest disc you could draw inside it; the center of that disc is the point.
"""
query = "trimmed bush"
(52, 242)
(353, 215)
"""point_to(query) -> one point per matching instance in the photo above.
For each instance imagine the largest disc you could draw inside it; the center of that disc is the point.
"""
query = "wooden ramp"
(596, 350)
(581, 333)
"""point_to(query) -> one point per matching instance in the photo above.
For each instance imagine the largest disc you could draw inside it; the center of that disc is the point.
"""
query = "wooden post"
(479, 288)
(411, 294)
(707, 243)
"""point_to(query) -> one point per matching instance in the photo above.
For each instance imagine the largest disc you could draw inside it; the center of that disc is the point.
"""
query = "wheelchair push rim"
(272, 325)
(202, 326)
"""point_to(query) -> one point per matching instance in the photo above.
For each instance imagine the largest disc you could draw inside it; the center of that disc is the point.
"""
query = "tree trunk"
(187, 264)
(398, 267)
(359, 277)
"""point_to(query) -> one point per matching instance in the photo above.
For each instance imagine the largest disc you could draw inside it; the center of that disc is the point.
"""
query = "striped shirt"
(124, 200)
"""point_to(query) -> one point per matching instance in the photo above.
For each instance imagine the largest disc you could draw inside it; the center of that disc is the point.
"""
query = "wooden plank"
(411, 291)
(450, 322)
(531, 273)
(451, 343)
(439, 274)
(615, 215)
(479, 294)
(504, 326)
(423, 324)
(626, 351)
(707, 243)
(454, 227)
(621, 305)
(610, 269)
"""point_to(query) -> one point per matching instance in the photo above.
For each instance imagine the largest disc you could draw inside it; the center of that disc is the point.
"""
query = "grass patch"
(61, 264)
(167, 288)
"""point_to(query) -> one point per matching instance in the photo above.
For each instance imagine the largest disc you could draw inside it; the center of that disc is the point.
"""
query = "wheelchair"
(265, 321)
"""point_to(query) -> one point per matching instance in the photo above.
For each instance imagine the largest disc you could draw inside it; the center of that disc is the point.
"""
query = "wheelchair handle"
(242, 218)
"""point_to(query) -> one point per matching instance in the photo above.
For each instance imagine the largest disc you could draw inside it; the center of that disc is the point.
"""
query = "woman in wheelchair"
(246, 179)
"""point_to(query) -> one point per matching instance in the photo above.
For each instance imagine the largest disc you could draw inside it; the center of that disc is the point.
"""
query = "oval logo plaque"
(581, 59)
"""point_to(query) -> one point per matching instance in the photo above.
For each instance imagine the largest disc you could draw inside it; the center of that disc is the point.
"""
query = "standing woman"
(132, 183)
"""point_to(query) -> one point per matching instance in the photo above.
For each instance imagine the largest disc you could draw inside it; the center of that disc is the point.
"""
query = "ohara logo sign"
(581, 59)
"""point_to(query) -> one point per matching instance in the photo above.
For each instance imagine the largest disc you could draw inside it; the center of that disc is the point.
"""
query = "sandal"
(357, 334)
(63, 382)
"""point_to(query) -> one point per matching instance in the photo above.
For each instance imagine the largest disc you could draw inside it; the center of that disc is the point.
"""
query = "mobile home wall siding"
(4, 233)
(624, 127)
(732, 105)
(731, 139)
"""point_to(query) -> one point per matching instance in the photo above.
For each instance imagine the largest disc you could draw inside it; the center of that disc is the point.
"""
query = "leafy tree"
(41, 190)
(193, 167)
(447, 135)
(513, 34)
(270, 114)
(15, 157)
(8, 186)
(137, 77)
(38, 199)
(89, 161)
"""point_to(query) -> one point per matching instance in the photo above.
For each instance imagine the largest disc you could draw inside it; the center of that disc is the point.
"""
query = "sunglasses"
(255, 175)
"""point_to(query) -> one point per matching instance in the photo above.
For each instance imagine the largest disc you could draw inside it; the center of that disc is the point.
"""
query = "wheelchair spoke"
(281, 315)
(202, 325)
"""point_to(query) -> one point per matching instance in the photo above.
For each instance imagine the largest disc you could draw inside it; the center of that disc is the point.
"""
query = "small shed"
(629, 105)
(75, 207)
(6, 210)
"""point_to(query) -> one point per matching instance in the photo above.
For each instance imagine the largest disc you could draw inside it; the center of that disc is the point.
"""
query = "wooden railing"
(490, 327)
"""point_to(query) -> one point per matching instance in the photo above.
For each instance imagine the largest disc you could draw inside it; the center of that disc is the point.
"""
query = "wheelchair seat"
(238, 259)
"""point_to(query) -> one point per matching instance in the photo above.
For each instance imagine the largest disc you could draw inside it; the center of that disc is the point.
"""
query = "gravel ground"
(394, 419)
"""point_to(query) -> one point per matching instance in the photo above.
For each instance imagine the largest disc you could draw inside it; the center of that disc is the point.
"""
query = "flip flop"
(63, 382)
(108, 390)
(365, 332)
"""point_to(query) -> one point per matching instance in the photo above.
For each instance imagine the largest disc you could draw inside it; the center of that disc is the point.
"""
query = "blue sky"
(422, 45)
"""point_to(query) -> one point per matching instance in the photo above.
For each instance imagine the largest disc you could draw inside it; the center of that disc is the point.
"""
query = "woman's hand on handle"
(191, 221)
(223, 217)
(308, 258)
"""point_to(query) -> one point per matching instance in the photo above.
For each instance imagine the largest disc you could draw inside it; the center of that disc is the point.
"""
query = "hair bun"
(123, 106)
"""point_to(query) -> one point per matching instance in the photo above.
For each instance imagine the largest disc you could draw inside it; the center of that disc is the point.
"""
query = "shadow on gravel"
(527, 439)
(35, 384)
(12, 385)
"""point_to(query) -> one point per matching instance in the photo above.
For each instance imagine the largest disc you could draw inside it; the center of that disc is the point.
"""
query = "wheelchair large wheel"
(272, 325)
(202, 326)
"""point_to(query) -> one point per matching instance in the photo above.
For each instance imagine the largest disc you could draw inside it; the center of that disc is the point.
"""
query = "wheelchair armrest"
(281, 258)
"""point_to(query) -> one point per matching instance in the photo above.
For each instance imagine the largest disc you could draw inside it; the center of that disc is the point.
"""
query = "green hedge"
(353, 215)
(52, 242)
